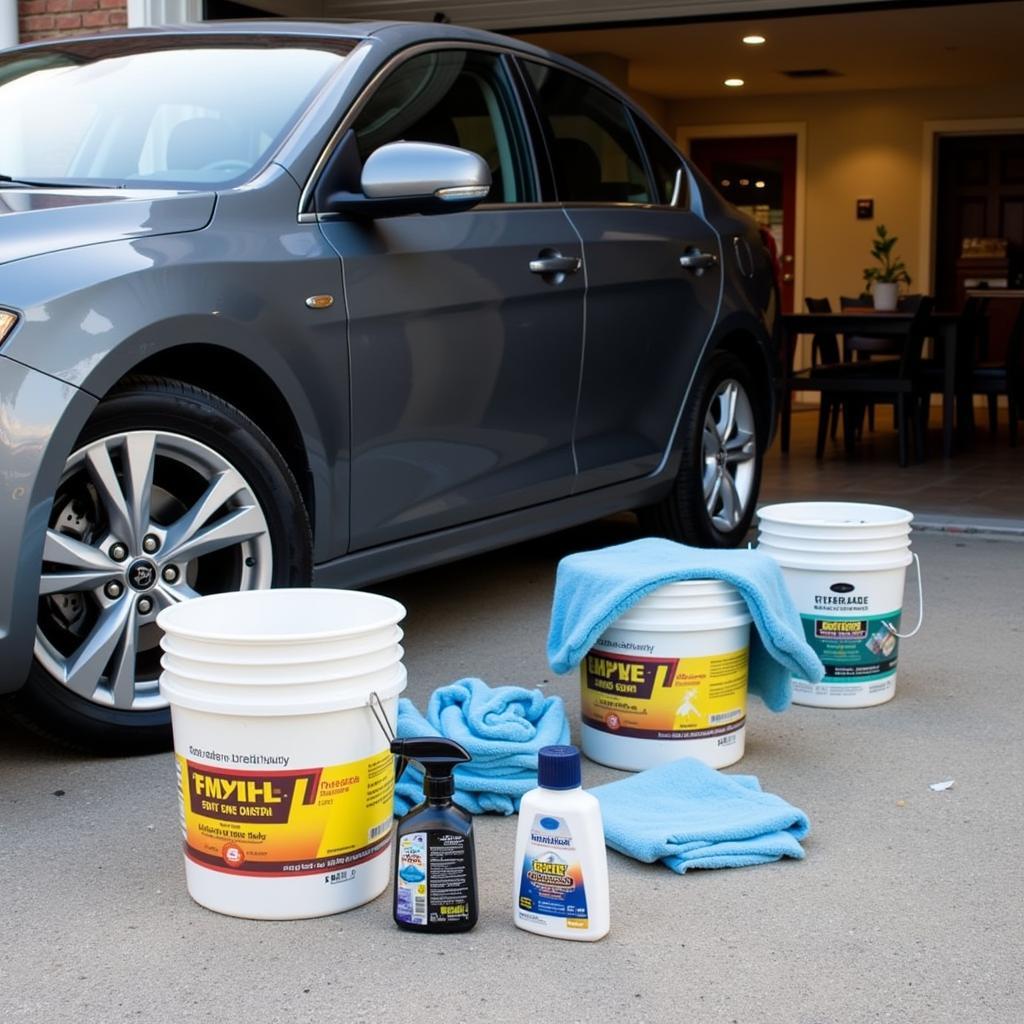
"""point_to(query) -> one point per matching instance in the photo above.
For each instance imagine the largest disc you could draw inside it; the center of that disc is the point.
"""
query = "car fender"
(140, 299)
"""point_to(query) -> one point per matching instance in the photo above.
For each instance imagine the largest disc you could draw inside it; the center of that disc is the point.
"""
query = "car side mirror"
(415, 177)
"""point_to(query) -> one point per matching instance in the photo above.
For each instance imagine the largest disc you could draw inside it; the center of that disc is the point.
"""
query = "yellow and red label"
(664, 698)
(283, 823)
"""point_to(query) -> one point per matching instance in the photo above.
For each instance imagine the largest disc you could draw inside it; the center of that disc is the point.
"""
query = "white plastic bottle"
(561, 867)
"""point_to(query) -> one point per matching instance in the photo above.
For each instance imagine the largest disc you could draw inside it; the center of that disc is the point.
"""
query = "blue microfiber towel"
(593, 588)
(501, 727)
(687, 815)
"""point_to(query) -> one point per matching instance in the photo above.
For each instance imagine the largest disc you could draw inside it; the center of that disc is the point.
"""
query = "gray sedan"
(283, 304)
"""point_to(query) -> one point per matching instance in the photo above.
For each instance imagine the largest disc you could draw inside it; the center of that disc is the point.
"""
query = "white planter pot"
(885, 295)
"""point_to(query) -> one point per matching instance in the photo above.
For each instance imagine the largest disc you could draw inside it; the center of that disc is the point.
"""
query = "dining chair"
(860, 346)
(824, 352)
(888, 379)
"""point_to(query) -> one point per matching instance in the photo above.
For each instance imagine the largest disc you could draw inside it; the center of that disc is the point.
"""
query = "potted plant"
(885, 279)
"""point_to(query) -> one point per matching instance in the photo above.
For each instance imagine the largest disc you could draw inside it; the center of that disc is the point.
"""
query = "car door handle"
(697, 260)
(555, 263)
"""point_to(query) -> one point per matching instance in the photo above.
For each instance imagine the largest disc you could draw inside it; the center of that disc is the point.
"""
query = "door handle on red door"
(551, 262)
(697, 260)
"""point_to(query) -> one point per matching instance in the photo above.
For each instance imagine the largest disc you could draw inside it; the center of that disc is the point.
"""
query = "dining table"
(867, 322)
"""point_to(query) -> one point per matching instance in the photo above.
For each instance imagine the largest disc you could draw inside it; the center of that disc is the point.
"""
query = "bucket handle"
(920, 607)
(375, 705)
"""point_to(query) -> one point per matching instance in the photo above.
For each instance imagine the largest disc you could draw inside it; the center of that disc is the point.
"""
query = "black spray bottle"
(435, 863)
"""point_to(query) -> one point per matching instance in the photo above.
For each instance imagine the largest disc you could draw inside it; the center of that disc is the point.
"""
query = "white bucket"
(846, 577)
(285, 778)
(669, 679)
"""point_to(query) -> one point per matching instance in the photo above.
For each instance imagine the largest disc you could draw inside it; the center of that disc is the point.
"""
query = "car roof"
(396, 34)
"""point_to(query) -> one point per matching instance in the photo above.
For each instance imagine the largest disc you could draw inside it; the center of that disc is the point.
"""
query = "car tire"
(169, 493)
(712, 500)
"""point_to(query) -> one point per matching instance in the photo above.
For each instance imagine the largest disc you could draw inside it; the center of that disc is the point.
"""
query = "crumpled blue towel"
(687, 815)
(593, 588)
(502, 727)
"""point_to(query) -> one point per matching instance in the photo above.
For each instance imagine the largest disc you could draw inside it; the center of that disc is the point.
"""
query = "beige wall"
(865, 144)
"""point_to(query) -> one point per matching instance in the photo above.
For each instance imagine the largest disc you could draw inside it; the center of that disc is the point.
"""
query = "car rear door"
(653, 280)
(465, 354)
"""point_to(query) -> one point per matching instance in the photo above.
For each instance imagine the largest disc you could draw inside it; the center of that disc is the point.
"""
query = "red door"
(759, 176)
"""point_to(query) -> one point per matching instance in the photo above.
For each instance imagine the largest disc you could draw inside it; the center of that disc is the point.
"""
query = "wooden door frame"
(933, 130)
(768, 129)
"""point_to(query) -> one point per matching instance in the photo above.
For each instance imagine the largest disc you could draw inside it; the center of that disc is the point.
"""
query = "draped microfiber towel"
(593, 588)
(687, 815)
(501, 727)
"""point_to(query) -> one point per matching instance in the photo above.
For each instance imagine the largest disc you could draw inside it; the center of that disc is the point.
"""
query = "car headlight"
(7, 322)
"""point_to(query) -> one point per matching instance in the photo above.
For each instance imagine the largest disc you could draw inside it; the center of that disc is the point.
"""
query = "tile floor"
(981, 485)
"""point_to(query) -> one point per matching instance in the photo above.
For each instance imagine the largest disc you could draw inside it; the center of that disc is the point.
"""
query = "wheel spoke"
(711, 497)
(727, 396)
(240, 525)
(104, 478)
(740, 448)
(122, 665)
(167, 594)
(711, 441)
(65, 582)
(139, 457)
(221, 489)
(710, 476)
(64, 550)
(732, 507)
(84, 668)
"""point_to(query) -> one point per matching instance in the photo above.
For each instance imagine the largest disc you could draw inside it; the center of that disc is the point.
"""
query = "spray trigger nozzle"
(437, 758)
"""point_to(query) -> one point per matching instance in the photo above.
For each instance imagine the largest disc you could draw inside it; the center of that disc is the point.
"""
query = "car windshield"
(194, 114)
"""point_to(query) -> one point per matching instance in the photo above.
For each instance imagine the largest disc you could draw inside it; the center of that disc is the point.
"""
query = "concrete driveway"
(907, 909)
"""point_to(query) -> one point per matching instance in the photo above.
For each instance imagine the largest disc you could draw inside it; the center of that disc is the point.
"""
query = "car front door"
(464, 361)
(653, 284)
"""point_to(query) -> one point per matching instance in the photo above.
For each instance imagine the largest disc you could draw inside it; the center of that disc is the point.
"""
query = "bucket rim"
(788, 513)
(276, 656)
(828, 546)
(171, 663)
(180, 694)
(168, 619)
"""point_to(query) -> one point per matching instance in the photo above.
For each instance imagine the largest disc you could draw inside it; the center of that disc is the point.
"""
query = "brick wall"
(41, 19)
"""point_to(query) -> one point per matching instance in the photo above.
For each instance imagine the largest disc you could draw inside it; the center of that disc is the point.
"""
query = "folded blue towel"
(687, 815)
(502, 728)
(593, 588)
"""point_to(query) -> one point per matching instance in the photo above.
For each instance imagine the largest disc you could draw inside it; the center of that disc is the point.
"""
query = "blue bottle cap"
(558, 767)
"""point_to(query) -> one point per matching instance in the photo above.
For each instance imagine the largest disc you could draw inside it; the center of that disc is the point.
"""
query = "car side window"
(456, 98)
(666, 166)
(593, 149)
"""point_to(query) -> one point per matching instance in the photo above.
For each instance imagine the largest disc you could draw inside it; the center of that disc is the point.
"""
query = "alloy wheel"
(142, 520)
(728, 454)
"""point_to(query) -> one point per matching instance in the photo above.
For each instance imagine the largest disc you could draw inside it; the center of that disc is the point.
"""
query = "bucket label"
(552, 883)
(664, 698)
(854, 650)
(303, 822)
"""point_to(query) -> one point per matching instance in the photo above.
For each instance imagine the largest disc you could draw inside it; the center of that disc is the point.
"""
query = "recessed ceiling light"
(753, 40)
(733, 83)
(726, 183)
(758, 184)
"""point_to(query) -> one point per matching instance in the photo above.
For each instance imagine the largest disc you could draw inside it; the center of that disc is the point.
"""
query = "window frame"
(685, 184)
(532, 176)
(542, 129)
